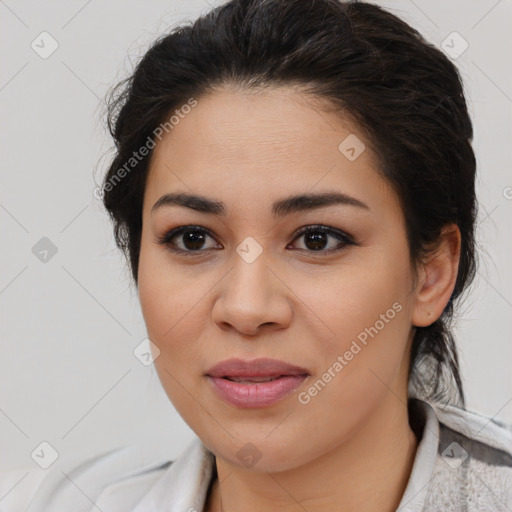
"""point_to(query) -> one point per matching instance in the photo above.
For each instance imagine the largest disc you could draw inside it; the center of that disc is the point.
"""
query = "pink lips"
(256, 383)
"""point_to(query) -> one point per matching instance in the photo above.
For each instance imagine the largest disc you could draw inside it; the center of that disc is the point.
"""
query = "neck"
(367, 473)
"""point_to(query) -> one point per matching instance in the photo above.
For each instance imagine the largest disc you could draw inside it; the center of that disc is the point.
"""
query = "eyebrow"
(280, 208)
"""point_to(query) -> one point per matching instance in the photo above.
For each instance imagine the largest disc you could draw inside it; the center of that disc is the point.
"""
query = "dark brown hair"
(405, 94)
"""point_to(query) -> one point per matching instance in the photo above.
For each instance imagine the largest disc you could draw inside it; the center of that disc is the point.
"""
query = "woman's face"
(246, 285)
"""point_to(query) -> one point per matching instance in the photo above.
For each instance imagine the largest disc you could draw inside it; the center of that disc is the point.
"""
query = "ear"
(437, 278)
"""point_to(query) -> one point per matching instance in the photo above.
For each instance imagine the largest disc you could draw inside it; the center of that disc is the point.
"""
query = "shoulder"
(118, 477)
(474, 460)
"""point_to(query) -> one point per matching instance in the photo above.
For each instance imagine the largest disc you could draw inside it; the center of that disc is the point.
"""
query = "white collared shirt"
(463, 463)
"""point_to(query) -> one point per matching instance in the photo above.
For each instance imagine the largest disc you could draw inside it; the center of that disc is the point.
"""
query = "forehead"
(274, 125)
(241, 144)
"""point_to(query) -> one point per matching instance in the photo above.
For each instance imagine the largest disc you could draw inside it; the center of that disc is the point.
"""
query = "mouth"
(255, 392)
(257, 383)
(256, 370)
(253, 380)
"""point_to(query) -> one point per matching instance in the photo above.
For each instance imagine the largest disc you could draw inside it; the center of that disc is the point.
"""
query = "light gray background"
(70, 325)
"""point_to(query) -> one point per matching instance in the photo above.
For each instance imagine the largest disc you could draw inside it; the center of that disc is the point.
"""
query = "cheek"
(356, 301)
(168, 307)
(161, 293)
(368, 314)
(359, 364)
(174, 305)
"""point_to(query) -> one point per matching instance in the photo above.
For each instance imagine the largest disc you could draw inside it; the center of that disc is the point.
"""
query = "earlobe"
(438, 278)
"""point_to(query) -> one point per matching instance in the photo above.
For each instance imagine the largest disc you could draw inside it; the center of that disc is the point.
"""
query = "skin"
(351, 447)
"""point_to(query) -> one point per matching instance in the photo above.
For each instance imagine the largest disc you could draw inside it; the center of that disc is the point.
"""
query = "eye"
(316, 239)
(192, 237)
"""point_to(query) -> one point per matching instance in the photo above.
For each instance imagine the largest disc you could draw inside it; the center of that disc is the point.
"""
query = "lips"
(257, 383)
(257, 370)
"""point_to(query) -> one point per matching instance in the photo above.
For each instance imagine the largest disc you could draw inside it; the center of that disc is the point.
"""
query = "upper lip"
(262, 367)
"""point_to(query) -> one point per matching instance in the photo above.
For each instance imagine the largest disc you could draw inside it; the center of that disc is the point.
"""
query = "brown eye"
(316, 239)
(192, 238)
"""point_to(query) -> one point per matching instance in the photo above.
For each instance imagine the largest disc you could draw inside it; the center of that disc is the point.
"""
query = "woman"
(294, 189)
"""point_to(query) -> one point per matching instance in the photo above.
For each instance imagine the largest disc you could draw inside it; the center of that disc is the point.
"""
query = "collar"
(426, 454)
(183, 486)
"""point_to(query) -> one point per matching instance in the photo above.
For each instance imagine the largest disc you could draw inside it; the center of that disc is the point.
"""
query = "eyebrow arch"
(280, 208)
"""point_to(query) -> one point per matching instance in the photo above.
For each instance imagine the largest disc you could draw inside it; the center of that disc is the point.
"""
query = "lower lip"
(257, 394)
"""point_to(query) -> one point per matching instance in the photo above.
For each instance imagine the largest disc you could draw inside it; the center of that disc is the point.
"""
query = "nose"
(252, 297)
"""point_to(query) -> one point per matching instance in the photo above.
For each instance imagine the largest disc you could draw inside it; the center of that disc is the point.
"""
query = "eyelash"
(344, 238)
